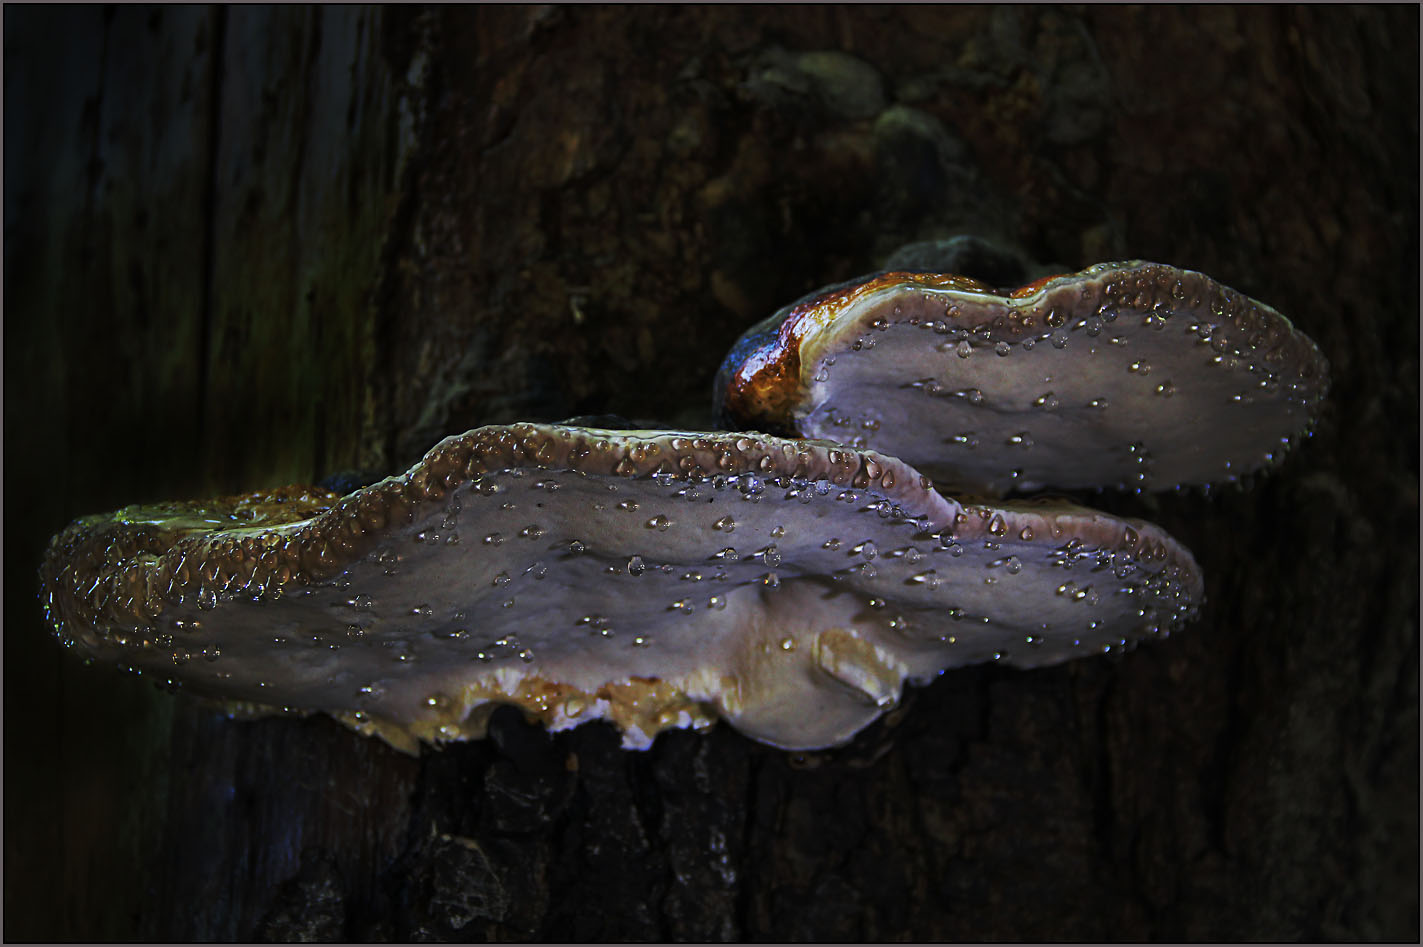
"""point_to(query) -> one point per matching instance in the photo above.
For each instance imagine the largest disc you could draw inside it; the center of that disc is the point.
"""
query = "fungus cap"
(651, 579)
(1136, 375)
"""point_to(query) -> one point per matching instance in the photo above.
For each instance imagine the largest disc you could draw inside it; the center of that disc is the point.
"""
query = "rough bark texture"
(251, 246)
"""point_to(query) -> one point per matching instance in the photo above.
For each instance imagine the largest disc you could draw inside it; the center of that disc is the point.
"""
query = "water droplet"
(454, 634)
(502, 579)
(659, 523)
(726, 524)
(1011, 564)
(1002, 348)
(967, 439)
(635, 566)
(532, 531)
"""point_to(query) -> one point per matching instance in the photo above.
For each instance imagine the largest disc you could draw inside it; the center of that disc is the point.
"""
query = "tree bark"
(249, 246)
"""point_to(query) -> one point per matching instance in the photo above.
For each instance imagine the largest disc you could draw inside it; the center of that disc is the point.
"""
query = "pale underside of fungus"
(1131, 375)
(654, 580)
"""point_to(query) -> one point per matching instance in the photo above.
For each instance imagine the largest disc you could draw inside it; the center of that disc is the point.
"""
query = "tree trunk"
(252, 246)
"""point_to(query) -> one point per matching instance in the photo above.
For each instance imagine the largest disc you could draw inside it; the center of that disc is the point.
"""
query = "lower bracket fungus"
(1134, 375)
(654, 580)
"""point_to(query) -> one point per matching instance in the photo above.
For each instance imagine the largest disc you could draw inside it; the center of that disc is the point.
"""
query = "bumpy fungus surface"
(1135, 375)
(654, 580)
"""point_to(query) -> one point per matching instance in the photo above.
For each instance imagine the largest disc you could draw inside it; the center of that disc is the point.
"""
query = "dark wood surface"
(249, 246)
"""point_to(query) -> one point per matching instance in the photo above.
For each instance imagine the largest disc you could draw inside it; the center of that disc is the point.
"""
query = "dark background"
(249, 246)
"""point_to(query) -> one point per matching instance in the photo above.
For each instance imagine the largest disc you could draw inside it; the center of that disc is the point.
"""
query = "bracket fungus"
(1135, 375)
(654, 580)
(660, 579)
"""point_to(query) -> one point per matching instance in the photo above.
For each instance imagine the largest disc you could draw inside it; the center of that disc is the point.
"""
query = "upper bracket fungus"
(651, 579)
(1135, 375)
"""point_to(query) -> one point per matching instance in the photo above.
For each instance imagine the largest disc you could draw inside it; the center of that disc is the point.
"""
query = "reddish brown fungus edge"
(758, 384)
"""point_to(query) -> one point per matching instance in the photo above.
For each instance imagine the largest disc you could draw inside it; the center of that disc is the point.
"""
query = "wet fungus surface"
(1130, 375)
(788, 585)
(654, 580)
